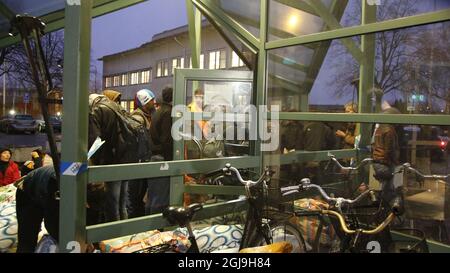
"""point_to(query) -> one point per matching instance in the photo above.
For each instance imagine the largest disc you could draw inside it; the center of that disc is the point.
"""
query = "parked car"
(19, 123)
(55, 121)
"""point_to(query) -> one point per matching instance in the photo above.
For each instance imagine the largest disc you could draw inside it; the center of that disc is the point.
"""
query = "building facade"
(152, 64)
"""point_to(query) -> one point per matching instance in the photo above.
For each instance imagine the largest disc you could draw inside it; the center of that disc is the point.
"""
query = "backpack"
(132, 138)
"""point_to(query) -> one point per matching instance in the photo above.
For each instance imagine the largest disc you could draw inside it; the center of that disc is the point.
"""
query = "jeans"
(116, 201)
(136, 192)
(384, 174)
(29, 220)
(158, 192)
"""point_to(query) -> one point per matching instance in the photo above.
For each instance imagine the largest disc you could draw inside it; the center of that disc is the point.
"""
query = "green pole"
(77, 46)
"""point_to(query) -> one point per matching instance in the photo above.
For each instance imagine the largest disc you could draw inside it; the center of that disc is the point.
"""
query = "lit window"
(202, 61)
(124, 105)
(236, 61)
(135, 78)
(145, 76)
(124, 79)
(177, 63)
(131, 105)
(108, 82)
(162, 69)
(217, 59)
(116, 80)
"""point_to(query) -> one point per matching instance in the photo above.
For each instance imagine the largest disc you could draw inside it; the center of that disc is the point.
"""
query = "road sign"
(26, 98)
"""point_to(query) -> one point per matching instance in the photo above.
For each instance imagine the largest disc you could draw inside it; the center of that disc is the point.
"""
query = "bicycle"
(257, 231)
(350, 231)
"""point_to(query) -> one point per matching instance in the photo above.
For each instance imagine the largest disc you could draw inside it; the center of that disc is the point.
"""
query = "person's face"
(5, 156)
(198, 99)
(150, 106)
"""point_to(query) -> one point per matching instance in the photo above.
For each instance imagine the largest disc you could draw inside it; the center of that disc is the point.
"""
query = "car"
(55, 121)
(19, 123)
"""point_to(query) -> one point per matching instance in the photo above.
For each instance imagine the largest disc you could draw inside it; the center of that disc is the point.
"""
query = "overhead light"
(293, 21)
(12, 112)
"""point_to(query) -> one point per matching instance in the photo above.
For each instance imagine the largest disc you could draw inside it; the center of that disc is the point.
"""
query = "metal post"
(4, 89)
(77, 47)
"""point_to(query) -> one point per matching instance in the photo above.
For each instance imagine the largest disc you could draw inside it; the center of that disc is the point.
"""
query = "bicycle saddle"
(180, 215)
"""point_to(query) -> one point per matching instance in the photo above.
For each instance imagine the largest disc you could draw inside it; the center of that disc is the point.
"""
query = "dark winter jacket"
(319, 136)
(385, 148)
(160, 131)
(103, 124)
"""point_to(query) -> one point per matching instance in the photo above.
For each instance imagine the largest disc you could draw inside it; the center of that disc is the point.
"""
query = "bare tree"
(17, 65)
(393, 50)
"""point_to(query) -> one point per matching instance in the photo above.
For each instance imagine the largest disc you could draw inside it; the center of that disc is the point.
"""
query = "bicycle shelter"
(283, 66)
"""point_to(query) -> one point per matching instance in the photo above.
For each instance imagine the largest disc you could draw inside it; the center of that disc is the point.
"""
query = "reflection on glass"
(222, 130)
(245, 12)
(295, 18)
(410, 73)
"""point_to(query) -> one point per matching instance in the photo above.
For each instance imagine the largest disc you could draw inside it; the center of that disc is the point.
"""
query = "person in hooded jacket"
(9, 171)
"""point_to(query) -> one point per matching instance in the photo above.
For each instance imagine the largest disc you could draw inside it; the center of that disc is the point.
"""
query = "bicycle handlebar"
(407, 166)
(347, 230)
(249, 183)
(363, 162)
(305, 184)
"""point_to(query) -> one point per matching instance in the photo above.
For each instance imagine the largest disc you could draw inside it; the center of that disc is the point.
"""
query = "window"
(124, 105)
(177, 63)
(108, 82)
(116, 80)
(135, 78)
(124, 79)
(236, 61)
(202, 61)
(146, 76)
(162, 69)
(131, 104)
(217, 59)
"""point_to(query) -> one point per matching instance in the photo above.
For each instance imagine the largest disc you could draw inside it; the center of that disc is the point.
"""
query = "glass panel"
(223, 34)
(411, 74)
(401, 8)
(288, 18)
(245, 12)
(228, 132)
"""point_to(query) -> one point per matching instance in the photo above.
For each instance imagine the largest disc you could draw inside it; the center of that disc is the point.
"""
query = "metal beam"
(55, 20)
(106, 231)
(195, 27)
(415, 20)
(217, 15)
(6, 11)
(304, 156)
(158, 169)
(77, 48)
(332, 23)
(368, 118)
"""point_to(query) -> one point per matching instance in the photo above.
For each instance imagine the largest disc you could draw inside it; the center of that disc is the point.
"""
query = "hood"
(112, 95)
(92, 97)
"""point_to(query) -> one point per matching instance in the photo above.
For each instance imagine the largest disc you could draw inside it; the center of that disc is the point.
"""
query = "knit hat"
(143, 97)
(5, 149)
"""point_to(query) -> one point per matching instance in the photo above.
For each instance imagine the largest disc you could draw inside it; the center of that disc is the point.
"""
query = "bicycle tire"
(285, 231)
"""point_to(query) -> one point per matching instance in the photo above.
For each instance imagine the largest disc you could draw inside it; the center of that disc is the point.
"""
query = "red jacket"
(11, 174)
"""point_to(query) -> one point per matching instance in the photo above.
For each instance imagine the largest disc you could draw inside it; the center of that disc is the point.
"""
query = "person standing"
(9, 171)
(160, 130)
(145, 102)
(103, 123)
(385, 155)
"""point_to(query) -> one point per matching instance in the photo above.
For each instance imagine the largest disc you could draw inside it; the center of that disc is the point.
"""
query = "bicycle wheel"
(285, 231)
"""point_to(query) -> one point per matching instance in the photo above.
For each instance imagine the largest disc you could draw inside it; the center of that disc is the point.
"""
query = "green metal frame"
(76, 20)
